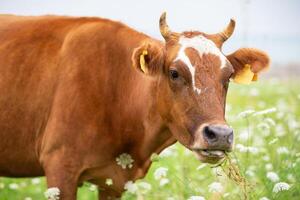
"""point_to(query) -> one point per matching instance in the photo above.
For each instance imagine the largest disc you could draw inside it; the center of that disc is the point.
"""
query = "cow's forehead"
(203, 46)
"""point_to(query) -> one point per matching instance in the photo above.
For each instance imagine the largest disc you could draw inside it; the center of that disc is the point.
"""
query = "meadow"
(266, 119)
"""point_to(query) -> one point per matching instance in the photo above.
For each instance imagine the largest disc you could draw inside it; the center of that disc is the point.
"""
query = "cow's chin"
(210, 156)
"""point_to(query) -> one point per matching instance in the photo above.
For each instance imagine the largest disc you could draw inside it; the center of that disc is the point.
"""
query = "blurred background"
(265, 115)
(272, 25)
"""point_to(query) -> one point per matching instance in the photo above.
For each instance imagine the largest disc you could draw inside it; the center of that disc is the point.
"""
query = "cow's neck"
(156, 138)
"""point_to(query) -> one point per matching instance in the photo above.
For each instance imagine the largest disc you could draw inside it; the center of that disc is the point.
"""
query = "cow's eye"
(174, 74)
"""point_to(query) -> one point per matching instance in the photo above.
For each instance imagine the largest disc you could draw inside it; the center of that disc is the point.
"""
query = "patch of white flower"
(245, 149)
(246, 113)
(108, 181)
(125, 160)
(52, 193)
(264, 198)
(35, 181)
(163, 181)
(215, 187)
(282, 150)
(144, 187)
(264, 129)
(264, 112)
(273, 177)
(131, 187)
(269, 166)
(160, 172)
(281, 186)
(13, 186)
(196, 198)
(93, 187)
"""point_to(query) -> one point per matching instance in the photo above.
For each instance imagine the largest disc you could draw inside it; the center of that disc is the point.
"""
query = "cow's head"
(193, 76)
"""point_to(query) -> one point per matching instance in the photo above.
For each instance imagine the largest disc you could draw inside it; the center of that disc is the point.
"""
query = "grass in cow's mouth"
(233, 172)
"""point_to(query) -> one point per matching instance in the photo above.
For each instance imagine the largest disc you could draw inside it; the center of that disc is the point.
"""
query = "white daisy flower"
(13, 186)
(264, 198)
(283, 150)
(131, 187)
(35, 181)
(196, 198)
(125, 160)
(108, 181)
(93, 187)
(280, 187)
(52, 193)
(163, 181)
(269, 166)
(273, 177)
(215, 187)
(160, 172)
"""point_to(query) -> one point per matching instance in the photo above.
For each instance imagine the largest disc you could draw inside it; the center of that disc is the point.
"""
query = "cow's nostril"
(209, 134)
(230, 138)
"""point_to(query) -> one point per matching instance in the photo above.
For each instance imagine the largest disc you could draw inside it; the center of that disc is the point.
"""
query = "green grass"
(273, 137)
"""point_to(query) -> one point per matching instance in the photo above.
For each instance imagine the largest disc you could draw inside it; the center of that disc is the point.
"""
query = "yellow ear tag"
(143, 62)
(245, 76)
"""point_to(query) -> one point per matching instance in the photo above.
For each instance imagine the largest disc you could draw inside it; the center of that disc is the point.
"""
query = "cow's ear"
(148, 58)
(247, 64)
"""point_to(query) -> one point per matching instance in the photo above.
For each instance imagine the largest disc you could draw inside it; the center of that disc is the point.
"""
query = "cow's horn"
(163, 26)
(227, 32)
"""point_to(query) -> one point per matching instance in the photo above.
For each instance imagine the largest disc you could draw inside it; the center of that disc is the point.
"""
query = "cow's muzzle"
(212, 142)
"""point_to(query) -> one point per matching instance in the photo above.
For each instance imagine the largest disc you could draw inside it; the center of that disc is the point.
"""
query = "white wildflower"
(264, 112)
(108, 181)
(13, 186)
(244, 135)
(246, 113)
(125, 160)
(282, 150)
(35, 181)
(280, 187)
(264, 198)
(160, 172)
(52, 193)
(215, 187)
(245, 149)
(196, 198)
(93, 187)
(131, 187)
(254, 92)
(163, 181)
(269, 166)
(273, 177)
(144, 186)
(266, 158)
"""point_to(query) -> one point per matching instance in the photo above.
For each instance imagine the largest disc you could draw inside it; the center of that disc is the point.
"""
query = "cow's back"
(33, 54)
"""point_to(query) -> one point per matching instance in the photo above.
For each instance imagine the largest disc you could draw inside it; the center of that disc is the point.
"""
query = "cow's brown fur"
(71, 101)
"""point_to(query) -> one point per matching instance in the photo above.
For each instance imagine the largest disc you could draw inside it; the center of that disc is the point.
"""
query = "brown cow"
(76, 93)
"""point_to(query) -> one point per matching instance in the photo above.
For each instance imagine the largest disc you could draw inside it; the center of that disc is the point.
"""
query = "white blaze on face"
(203, 46)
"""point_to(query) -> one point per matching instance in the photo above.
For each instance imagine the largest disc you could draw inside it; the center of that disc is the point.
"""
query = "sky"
(271, 25)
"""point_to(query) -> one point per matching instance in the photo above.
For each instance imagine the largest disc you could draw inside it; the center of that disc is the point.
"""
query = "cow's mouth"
(210, 155)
